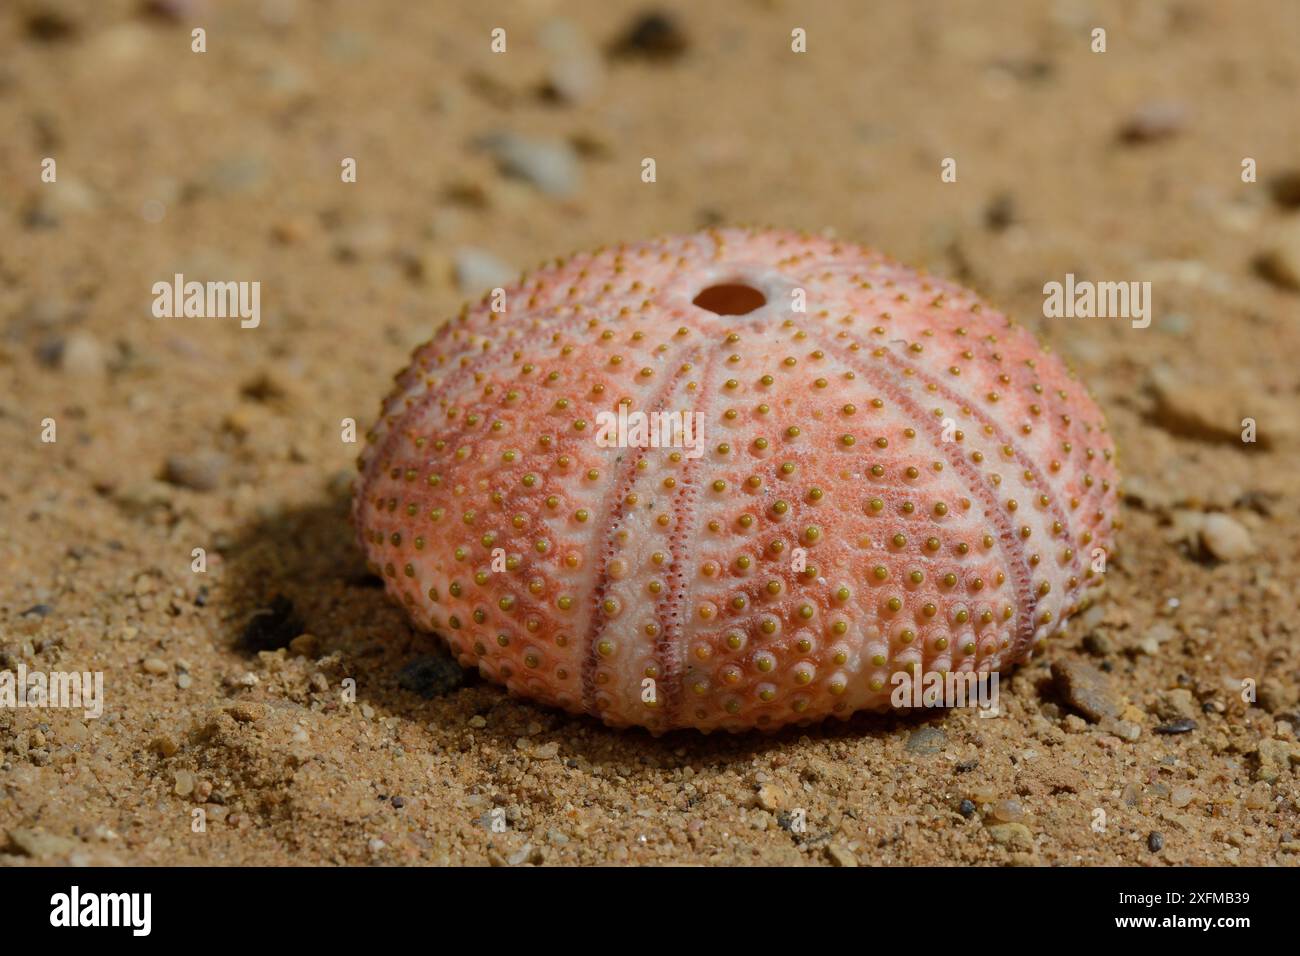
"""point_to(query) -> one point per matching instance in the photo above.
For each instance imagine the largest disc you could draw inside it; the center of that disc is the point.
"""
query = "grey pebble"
(478, 271)
(550, 165)
(927, 740)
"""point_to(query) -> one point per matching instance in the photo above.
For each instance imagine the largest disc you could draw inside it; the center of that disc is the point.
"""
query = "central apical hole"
(733, 298)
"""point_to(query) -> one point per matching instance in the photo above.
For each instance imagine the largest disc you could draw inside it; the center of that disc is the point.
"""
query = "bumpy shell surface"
(894, 478)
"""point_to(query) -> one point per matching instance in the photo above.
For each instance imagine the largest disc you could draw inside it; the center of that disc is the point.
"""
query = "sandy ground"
(176, 434)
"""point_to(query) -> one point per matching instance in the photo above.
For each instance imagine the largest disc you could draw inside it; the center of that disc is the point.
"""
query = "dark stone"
(1155, 841)
(431, 676)
(50, 352)
(49, 26)
(1000, 212)
(1285, 189)
(271, 628)
(966, 808)
(1098, 644)
(654, 36)
(40, 610)
(1180, 726)
(707, 216)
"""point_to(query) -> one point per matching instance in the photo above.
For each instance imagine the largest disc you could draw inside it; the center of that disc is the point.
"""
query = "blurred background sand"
(182, 433)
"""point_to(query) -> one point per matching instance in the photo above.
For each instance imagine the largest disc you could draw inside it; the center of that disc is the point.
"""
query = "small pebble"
(1155, 841)
(199, 472)
(1225, 538)
(47, 24)
(840, 856)
(1154, 121)
(653, 36)
(520, 855)
(1176, 704)
(1181, 726)
(155, 665)
(1127, 730)
(1279, 262)
(1099, 644)
(549, 165)
(1013, 836)
(184, 785)
(305, 645)
(573, 70)
(247, 711)
(1008, 811)
(1275, 757)
(477, 271)
(1000, 212)
(1258, 797)
(966, 808)
(1285, 189)
(1086, 689)
(1274, 696)
(771, 797)
(83, 356)
(927, 740)
(1198, 410)
(367, 239)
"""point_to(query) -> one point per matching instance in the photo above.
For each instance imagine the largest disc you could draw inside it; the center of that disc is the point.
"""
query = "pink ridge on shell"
(896, 478)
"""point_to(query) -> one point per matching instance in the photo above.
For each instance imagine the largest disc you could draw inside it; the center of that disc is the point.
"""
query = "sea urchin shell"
(892, 477)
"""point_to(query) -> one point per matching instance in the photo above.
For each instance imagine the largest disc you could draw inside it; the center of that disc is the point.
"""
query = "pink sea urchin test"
(864, 471)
